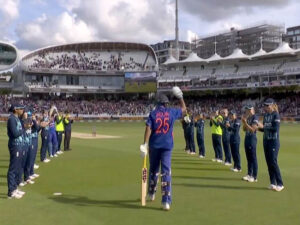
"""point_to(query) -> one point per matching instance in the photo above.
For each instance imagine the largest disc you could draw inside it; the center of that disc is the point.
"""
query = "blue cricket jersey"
(252, 120)
(161, 121)
(15, 131)
(200, 127)
(271, 123)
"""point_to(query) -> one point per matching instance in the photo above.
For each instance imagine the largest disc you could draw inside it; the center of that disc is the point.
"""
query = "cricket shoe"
(36, 166)
(15, 195)
(51, 156)
(166, 206)
(279, 188)
(252, 179)
(33, 176)
(272, 187)
(55, 155)
(236, 170)
(219, 160)
(246, 178)
(60, 152)
(46, 160)
(20, 192)
(151, 197)
(22, 184)
(227, 164)
(29, 181)
(193, 153)
(201, 156)
(214, 160)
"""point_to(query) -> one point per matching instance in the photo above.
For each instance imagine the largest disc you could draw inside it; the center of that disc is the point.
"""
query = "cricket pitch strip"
(92, 136)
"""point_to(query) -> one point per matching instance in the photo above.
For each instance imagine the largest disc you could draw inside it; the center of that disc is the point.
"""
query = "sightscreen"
(142, 82)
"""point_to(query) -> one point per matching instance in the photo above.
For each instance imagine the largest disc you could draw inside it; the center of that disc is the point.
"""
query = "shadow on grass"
(4, 167)
(192, 162)
(3, 176)
(221, 187)
(208, 178)
(85, 201)
(3, 184)
(4, 160)
(208, 169)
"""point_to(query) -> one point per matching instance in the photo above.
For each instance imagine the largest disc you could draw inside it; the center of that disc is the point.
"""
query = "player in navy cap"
(159, 137)
(15, 134)
(234, 130)
(250, 126)
(270, 127)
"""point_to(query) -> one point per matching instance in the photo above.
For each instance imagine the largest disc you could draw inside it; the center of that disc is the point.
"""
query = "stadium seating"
(92, 60)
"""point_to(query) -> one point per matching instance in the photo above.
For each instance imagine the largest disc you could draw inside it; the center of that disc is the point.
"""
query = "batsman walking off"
(159, 137)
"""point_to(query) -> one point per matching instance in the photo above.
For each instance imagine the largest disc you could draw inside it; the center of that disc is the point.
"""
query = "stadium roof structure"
(283, 50)
(260, 53)
(214, 57)
(9, 56)
(192, 58)
(84, 46)
(170, 60)
(237, 54)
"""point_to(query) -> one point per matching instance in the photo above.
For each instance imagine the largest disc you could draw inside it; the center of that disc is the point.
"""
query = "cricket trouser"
(59, 135)
(27, 157)
(191, 141)
(200, 141)
(33, 155)
(271, 149)
(14, 168)
(235, 152)
(226, 147)
(52, 142)
(67, 139)
(250, 149)
(44, 147)
(186, 138)
(160, 157)
(216, 140)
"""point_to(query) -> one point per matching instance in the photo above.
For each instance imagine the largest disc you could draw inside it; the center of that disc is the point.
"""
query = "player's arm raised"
(177, 92)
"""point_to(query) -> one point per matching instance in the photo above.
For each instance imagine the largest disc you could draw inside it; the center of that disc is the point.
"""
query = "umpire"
(67, 121)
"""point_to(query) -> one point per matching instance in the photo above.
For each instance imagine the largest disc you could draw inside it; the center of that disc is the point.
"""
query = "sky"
(33, 24)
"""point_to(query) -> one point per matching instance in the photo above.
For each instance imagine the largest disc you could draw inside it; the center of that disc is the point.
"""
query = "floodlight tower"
(176, 32)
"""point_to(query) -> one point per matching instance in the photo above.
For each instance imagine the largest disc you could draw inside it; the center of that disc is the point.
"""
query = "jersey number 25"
(163, 125)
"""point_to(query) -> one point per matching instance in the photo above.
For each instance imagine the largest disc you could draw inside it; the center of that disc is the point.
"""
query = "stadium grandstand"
(8, 59)
(277, 68)
(108, 79)
(94, 67)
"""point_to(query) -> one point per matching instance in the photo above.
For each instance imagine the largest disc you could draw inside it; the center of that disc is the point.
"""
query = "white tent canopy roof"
(215, 57)
(261, 52)
(236, 54)
(193, 57)
(283, 49)
(170, 60)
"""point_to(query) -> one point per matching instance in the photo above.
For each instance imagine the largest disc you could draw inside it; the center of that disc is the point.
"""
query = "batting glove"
(144, 150)
(177, 92)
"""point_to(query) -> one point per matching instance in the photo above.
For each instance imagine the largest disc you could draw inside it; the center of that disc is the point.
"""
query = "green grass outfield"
(100, 182)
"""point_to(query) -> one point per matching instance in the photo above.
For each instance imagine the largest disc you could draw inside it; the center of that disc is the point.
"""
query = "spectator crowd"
(105, 61)
(289, 105)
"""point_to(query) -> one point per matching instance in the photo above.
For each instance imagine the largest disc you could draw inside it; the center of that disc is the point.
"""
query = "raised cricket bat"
(144, 182)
